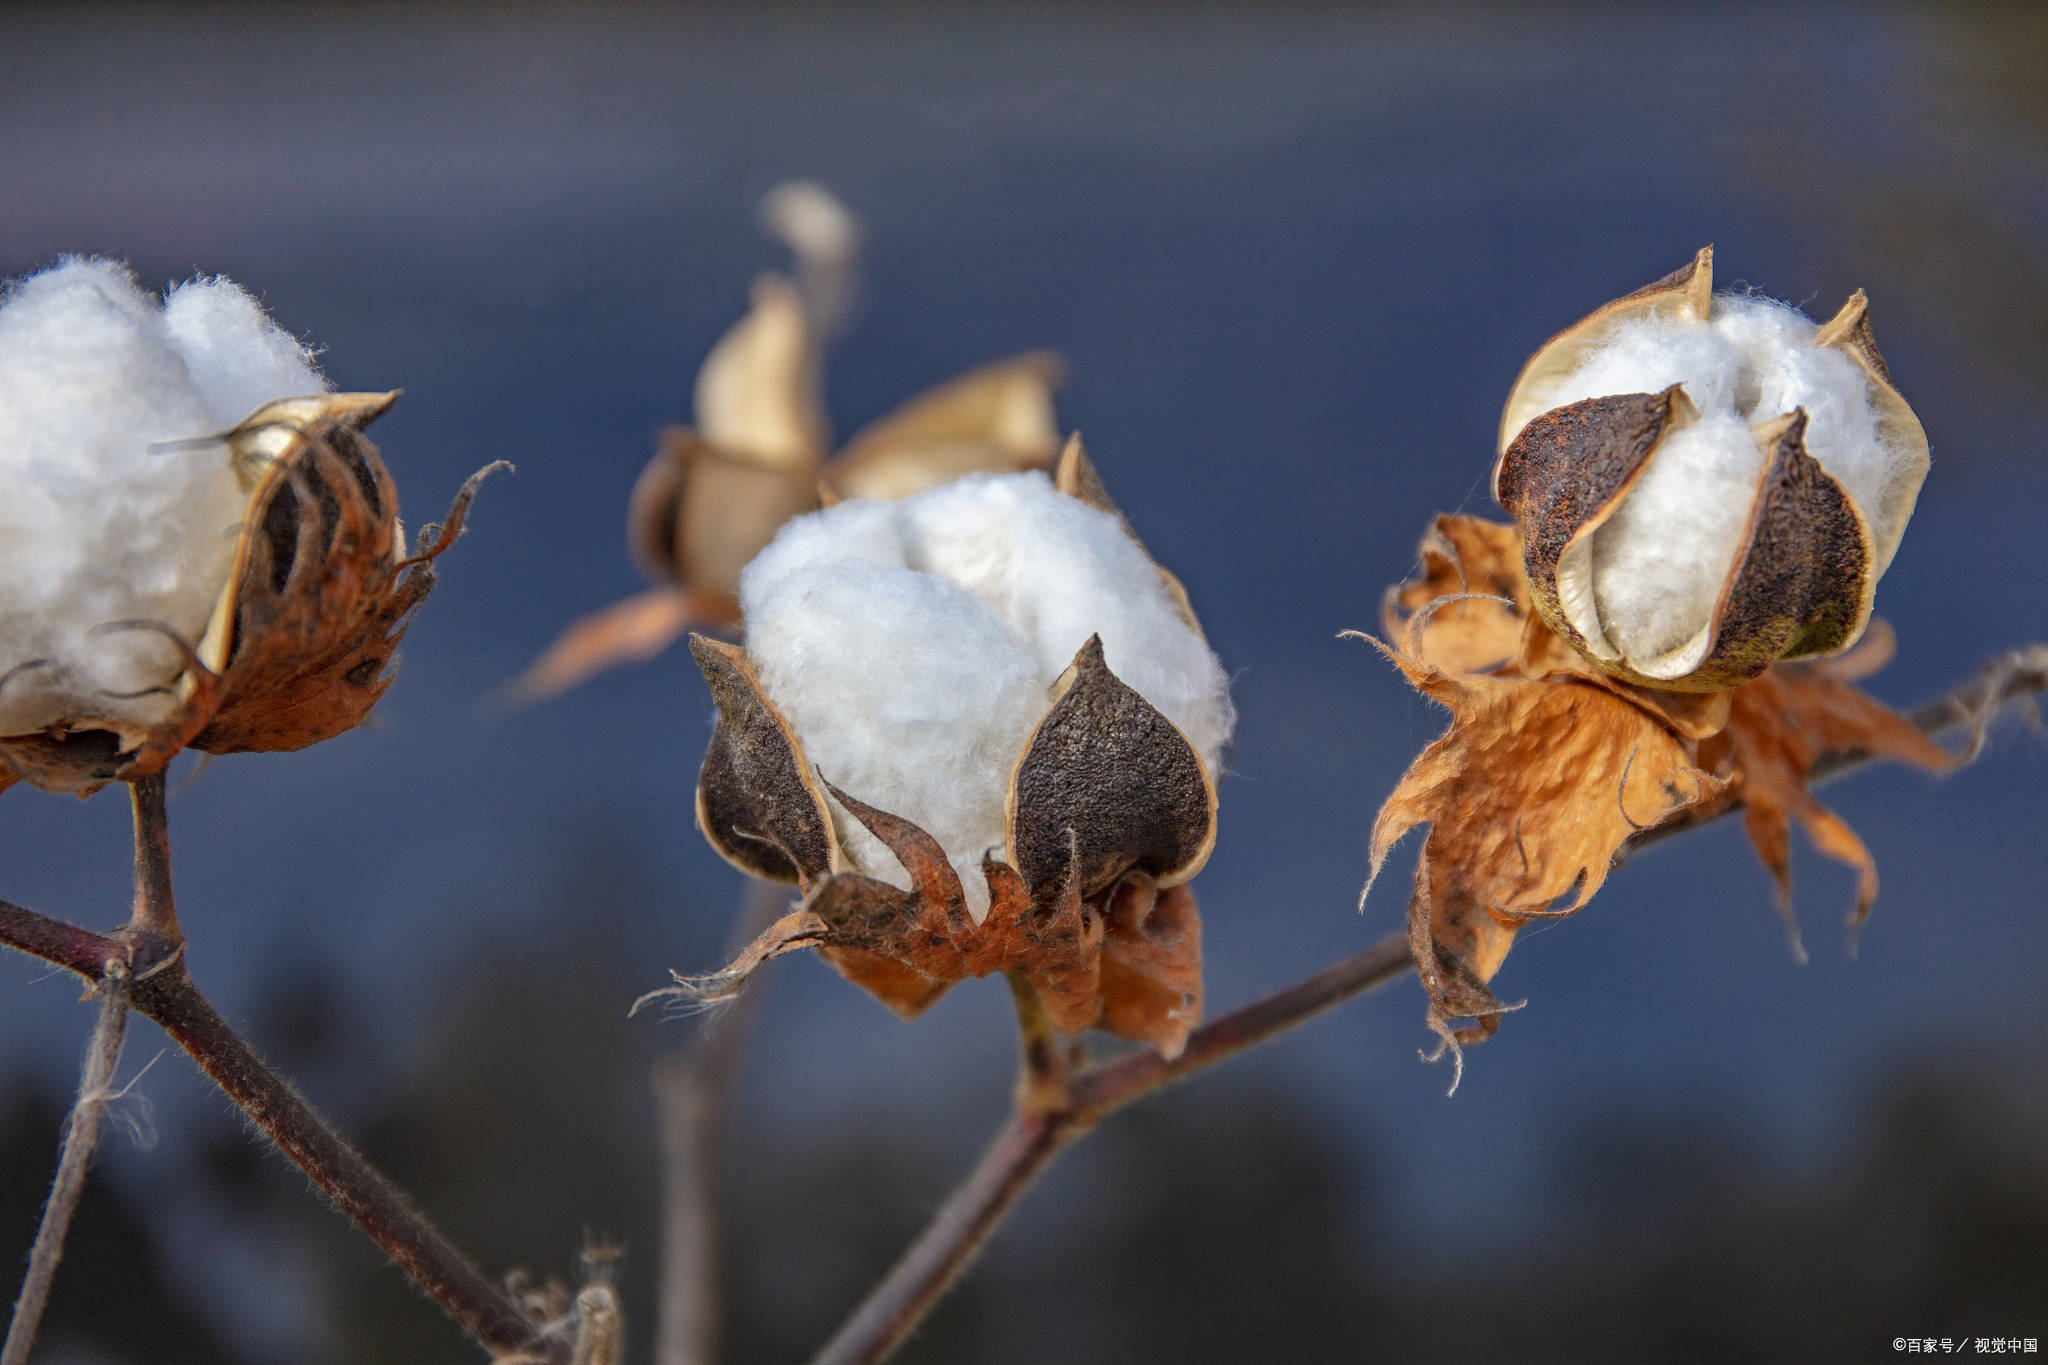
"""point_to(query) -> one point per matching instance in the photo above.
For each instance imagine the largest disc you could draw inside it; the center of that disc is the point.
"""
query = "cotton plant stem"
(362, 1193)
(1042, 1078)
(1025, 1146)
(1034, 1136)
(692, 1090)
(155, 914)
(95, 1089)
(149, 954)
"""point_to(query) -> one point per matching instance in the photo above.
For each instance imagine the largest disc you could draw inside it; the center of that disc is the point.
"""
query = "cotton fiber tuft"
(114, 504)
(912, 645)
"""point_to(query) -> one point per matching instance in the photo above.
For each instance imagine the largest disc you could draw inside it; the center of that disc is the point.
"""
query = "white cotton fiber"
(913, 644)
(96, 526)
(1660, 561)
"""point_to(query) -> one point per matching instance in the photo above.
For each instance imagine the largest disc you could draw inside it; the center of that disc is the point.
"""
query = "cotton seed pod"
(1061, 819)
(1707, 484)
(300, 641)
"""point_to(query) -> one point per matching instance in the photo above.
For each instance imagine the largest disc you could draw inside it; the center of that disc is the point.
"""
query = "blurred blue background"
(1294, 258)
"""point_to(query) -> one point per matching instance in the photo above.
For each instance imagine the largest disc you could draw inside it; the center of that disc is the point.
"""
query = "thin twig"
(1026, 1146)
(692, 1087)
(149, 953)
(1033, 1137)
(363, 1194)
(95, 1089)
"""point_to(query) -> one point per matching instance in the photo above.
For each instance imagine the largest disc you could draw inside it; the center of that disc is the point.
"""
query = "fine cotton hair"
(912, 644)
(1660, 561)
(114, 506)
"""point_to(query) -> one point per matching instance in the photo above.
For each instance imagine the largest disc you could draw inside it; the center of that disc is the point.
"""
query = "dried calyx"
(913, 738)
(261, 602)
(1708, 483)
(761, 452)
(1551, 764)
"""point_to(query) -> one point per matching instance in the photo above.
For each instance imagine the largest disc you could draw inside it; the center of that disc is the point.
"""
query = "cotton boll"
(1659, 563)
(913, 646)
(115, 507)
(908, 692)
(237, 357)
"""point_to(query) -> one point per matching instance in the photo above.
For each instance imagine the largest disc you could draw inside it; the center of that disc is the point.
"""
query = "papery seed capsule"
(1706, 485)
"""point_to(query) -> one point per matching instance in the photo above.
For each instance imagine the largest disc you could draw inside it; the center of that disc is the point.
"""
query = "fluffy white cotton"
(1660, 561)
(99, 520)
(912, 645)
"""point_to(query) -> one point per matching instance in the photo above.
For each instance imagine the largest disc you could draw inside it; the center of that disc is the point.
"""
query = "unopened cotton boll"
(1708, 483)
(115, 504)
(913, 646)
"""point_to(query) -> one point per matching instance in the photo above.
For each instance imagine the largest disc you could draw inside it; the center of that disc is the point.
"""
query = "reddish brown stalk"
(1039, 1131)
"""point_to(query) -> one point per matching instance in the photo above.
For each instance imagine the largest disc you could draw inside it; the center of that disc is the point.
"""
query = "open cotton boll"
(913, 646)
(1659, 563)
(112, 505)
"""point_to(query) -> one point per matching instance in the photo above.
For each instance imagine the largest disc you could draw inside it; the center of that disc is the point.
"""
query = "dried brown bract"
(1528, 796)
(301, 640)
(1551, 765)
(1778, 728)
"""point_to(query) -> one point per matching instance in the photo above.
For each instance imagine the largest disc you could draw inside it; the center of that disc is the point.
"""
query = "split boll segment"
(178, 569)
(1707, 484)
(981, 730)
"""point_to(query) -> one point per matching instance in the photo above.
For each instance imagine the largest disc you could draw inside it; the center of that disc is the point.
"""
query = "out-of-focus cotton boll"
(113, 506)
(913, 644)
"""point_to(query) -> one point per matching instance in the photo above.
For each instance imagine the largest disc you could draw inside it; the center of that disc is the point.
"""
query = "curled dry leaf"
(1551, 764)
(301, 640)
(1528, 797)
(1778, 727)
(714, 496)
(1466, 558)
(1110, 812)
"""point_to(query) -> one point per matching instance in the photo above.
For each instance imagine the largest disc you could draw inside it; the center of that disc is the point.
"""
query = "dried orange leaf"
(1460, 556)
(1778, 726)
(1528, 795)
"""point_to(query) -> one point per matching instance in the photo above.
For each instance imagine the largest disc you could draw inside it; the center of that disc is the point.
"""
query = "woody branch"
(145, 960)
(1039, 1130)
